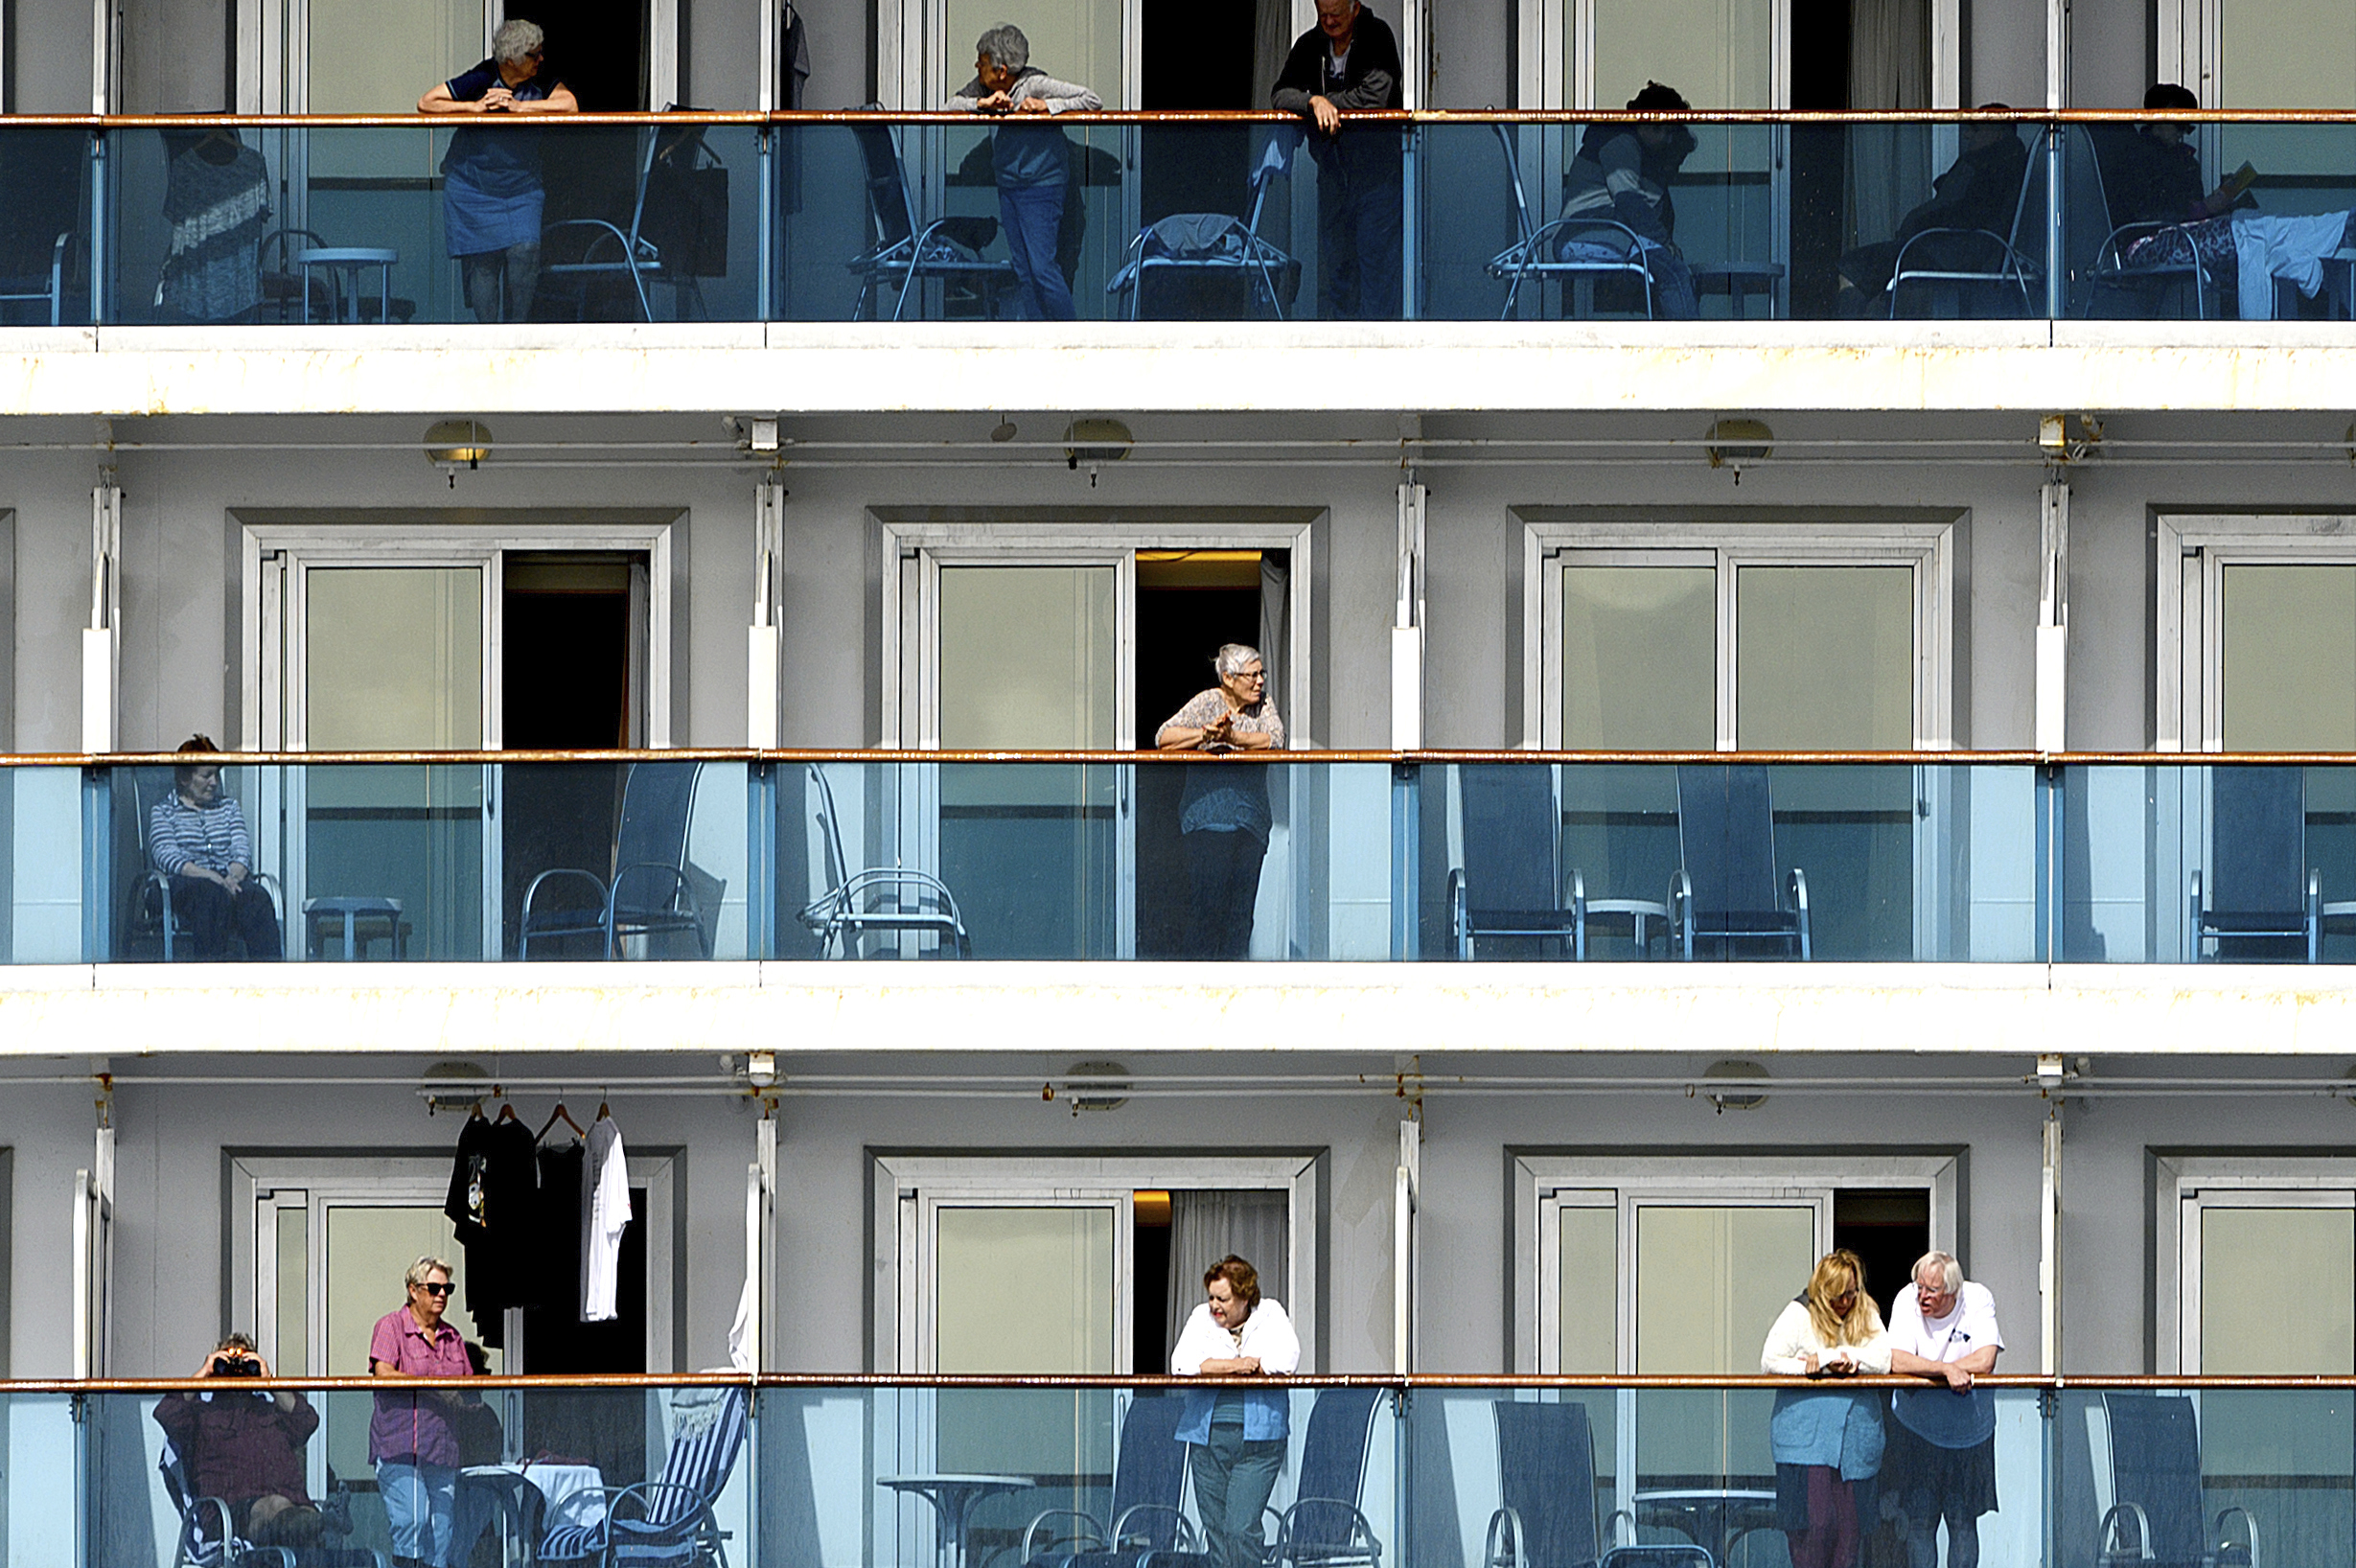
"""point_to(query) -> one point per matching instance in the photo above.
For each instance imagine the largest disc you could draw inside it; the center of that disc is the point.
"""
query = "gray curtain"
(1271, 42)
(1889, 68)
(1205, 1227)
(1275, 632)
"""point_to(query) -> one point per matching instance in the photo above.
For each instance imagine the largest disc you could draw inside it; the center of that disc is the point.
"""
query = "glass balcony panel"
(901, 219)
(2233, 863)
(1931, 863)
(45, 259)
(48, 844)
(290, 224)
(535, 1469)
(2221, 1466)
(433, 862)
(1085, 860)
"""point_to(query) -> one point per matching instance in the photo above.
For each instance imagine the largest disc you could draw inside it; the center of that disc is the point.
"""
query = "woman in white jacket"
(1827, 1446)
(1236, 1434)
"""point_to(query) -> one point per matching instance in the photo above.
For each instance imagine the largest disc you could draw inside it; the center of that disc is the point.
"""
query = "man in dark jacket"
(2151, 176)
(1979, 192)
(1350, 61)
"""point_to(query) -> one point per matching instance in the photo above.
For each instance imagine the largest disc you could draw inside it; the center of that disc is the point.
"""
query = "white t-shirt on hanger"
(605, 1213)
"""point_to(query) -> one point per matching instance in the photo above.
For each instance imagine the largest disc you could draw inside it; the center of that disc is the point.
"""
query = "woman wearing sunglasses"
(413, 1437)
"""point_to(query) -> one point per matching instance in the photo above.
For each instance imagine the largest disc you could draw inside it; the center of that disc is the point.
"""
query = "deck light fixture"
(450, 442)
(1735, 1099)
(1094, 441)
(1732, 442)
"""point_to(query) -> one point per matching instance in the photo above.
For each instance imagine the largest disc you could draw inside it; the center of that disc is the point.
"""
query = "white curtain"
(1205, 1227)
(1889, 68)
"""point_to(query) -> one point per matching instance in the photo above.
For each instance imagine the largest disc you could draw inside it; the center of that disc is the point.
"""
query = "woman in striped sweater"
(197, 839)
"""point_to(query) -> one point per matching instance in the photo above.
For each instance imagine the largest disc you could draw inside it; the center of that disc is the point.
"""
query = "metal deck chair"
(208, 1536)
(632, 254)
(647, 888)
(1510, 884)
(1323, 1527)
(1727, 890)
(2013, 264)
(2260, 898)
(905, 254)
(2099, 244)
(1606, 249)
(1545, 1514)
(1146, 1528)
(890, 899)
(1200, 242)
(668, 1522)
(2146, 1450)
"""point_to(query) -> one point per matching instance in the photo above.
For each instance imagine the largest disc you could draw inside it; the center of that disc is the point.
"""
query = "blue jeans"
(1031, 215)
(434, 1520)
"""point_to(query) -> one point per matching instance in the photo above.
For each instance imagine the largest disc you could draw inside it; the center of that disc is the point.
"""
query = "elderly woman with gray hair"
(491, 195)
(1032, 162)
(1223, 816)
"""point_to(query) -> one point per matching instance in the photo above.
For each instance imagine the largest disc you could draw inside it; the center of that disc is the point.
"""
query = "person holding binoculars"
(246, 1447)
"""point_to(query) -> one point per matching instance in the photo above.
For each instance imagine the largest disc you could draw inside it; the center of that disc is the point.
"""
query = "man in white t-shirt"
(1941, 1459)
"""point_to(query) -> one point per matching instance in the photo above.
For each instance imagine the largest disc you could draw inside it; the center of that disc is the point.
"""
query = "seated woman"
(197, 839)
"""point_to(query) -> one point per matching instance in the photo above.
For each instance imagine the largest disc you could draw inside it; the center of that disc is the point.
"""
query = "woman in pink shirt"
(413, 1437)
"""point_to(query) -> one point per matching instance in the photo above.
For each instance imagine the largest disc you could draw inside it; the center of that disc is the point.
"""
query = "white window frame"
(271, 722)
(1550, 42)
(317, 1181)
(2191, 552)
(1543, 1183)
(914, 552)
(270, 32)
(908, 1190)
(1926, 548)
(2183, 1186)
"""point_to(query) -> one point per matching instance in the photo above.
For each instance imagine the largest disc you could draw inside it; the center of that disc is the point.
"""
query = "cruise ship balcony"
(1667, 859)
(1204, 218)
(960, 1472)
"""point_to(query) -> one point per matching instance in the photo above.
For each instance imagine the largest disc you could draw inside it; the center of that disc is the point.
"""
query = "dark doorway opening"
(1820, 154)
(1198, 55)
(1149, 1289)
(1888, 1229)
(595, 47)
(604, 1427)
(598, 49)
(569, 673)
(1189, 604)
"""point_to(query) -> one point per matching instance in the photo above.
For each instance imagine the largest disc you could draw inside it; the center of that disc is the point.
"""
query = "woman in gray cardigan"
(1032, 161)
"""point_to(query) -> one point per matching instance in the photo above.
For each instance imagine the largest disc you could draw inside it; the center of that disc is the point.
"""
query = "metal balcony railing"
(1422, 856)
(1452, 216)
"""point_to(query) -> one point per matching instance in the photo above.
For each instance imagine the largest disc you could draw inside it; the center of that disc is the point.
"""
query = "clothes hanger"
(560, 1114)
(507, 1108)
(604, 1113)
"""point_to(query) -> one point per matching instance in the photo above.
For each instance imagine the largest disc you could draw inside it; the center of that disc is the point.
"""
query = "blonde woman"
(1827, 1445)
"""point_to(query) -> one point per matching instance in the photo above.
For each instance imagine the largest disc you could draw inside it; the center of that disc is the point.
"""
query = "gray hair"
(428, 1263)
(1234, 656)
(1006, 44)
(1950, 1272)
(515, 39)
